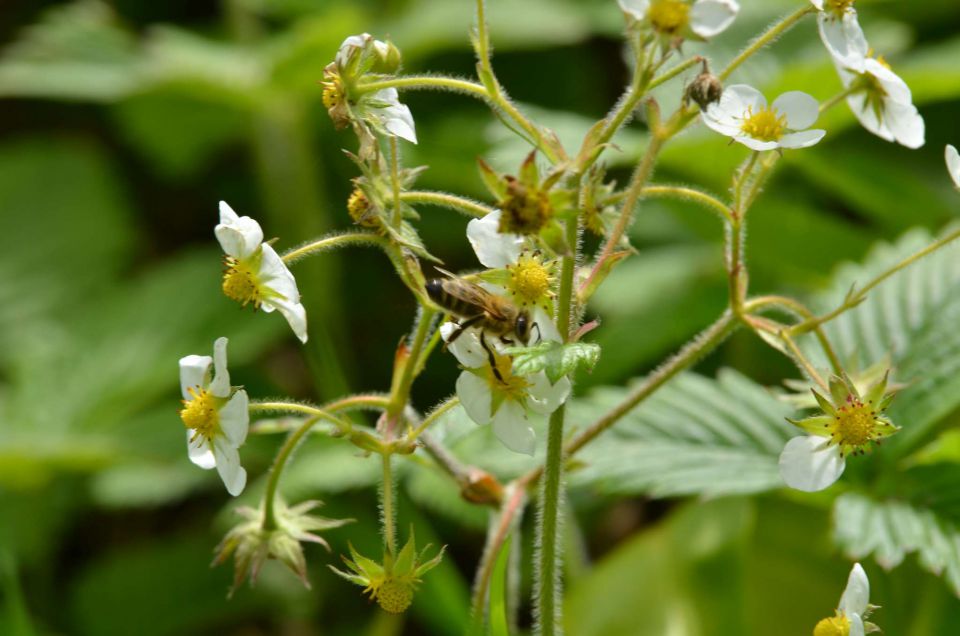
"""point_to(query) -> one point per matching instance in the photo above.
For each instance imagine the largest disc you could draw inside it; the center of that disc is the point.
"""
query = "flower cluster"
(678, 19)
(853, 610)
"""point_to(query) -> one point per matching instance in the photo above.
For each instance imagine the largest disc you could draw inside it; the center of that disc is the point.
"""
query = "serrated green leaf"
(554, 358)
(694, 436)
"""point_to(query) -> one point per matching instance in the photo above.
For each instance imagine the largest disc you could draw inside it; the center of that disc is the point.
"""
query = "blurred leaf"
(556, 359)
(76, 51)
(439, 494)
(889, 530)
(693, 436)
(650, 585)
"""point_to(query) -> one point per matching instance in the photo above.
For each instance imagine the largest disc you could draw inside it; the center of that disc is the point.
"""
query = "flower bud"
(705, 89)
(387, 58)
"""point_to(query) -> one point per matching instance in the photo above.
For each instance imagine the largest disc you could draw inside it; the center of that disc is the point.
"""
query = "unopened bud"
(388, 58)
(705, 89)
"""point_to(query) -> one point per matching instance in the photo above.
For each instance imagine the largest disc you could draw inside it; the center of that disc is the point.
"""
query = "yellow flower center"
(358, 205)
(837, 626)
(525, 211)
(241, 283)
(766, 124)
(508, 385)
(332, 93)
(200, 413)
(395, 596)
(855, 423)
(529, 280)
(669, 16)
(839, 7)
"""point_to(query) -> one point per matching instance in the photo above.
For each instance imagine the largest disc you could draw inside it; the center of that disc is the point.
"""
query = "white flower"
(953, 164)
(849, 423)
(493, 249)
(841, 32)
(215, 415)
(493, 394)
(384, 111)
(854, 608)
(742, 113)
(705, 18)
(882, 102)
(255, 273)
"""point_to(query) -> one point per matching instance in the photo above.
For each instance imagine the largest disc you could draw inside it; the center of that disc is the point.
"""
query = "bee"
(474, 306)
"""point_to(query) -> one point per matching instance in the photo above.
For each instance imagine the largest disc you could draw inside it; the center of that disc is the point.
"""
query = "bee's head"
(522, 326)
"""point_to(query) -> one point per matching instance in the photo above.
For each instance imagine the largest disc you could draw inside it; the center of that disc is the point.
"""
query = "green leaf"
(694, 436)
(556, 359)
(892, 529)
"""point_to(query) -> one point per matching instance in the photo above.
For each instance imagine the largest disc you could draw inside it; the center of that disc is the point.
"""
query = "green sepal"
(817, 425)
(406, 560)
(529, 172)
(824, 403)
(492, 180)
(425, 567)
(554, 358)
(353, 578)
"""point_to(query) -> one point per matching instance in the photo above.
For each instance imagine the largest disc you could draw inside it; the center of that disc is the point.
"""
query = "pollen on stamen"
(199, 413)
(240, 283)
(766, 124)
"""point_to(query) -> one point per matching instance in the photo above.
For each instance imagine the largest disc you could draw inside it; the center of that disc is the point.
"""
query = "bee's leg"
(463, 326)
(491, 357)
(539, 335)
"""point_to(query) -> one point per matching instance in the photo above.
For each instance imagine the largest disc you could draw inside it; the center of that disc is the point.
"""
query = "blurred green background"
(123, 123)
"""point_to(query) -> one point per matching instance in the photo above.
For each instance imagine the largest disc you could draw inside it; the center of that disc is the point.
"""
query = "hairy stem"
(450, 201)
(386, 492)
(767, 37)
(332, 242)
(500, 528)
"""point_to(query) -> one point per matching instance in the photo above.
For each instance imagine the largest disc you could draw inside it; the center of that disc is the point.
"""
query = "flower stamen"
(199, 413)
(838, 625)
(766, 124)
(669, 16)
(240, 282)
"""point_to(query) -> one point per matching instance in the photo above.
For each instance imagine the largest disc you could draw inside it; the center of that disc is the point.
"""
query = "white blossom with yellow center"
(840, 32)
(215, 415)
(953, 164)
(742, 113)
(882, 101)
(505, 402)
(853, 609)
(675, 18)
(255, 273)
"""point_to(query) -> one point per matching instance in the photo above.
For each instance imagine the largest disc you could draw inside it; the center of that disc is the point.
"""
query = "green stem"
(332, 242)
(500, 528)
(769, 36)
(839, 97)
(433, 417)
(273, 480)
(856, 298)
(395, 181)
(708, 201)
(426, 82)
(549, 557)
(389, 523)
(401, 392)
(450, 201)
(802, 362)
(801, 310)
(674, 71)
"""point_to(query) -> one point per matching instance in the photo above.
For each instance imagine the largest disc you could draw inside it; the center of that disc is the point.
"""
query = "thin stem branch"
(805, 365)
(434, 415)
(389, 522)
(395, 180)
(501, 526)
(450, 201)
(769, 36)
(401, 392)
(801, 310)
(706, 200)
(426, 82)
(674, 71)
(332, 242)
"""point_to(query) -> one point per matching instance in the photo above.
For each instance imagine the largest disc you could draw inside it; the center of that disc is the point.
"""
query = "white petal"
(721, 122)
(228, 465)
(348, 46)
(493, 249)
(808, 464)
(199, 451)
(857, 594)
(296, 315)
(756, 144)
(546, 329)
(868, 117)
(511, 427)
(220, 386)
(276, 276)
(398, 121)
(235, 418)
(474, 394)
(194, 373)
(545, 398)
(802, 139)
(736, 100)
(466, 348)
(905, 124)
(893, 85)
(953, 163)
(844, 39)
(818, 4)
(636, 8)
(710, 17)
(238, 236)
(856, 625)
(800, 109)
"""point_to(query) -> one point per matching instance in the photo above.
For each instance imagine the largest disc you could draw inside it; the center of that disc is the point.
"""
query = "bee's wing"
(477, 296)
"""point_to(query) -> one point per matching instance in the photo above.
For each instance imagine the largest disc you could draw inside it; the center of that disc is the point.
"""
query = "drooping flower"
(742, 113)
(849, 424)
(251, 544)
(854, 609)
(953, 164)
(882, 101)
(215, 415)
(841, 32)
(491, 393)
(682, 18)
(255, 273)
(377, 111)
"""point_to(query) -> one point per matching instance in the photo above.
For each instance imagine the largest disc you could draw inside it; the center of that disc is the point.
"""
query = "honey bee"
(474, 306)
